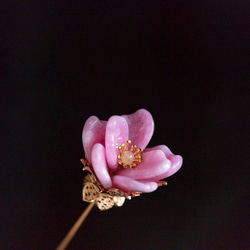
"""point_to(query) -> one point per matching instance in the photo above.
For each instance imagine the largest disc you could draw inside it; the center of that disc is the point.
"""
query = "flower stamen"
(129, 155)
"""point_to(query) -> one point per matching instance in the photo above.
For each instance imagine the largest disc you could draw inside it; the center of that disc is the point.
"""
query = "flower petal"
(116, 134)
(176, 162)
(153, 165)
(163, 148)
(141, 127)
(127, 184)
(100, 166)
(93, 132)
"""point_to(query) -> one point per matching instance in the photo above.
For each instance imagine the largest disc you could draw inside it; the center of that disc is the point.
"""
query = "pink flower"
(117, 155)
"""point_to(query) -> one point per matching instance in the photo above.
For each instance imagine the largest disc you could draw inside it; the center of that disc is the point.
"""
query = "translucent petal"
(127, 184)
(99, 165)
(116, 134)
(93, 132)
(141, 127)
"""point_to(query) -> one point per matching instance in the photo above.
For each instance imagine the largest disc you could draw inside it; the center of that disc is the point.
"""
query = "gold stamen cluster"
(129, 155)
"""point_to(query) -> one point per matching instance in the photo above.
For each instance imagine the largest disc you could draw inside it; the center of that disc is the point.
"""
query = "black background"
(187, 62)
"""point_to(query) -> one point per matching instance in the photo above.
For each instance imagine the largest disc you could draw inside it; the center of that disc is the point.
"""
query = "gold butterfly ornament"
(104, 200)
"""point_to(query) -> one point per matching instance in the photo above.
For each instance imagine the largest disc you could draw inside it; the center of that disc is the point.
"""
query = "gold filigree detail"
(104, 200)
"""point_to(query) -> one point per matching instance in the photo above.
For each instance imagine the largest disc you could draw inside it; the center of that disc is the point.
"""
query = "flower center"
(129, 155)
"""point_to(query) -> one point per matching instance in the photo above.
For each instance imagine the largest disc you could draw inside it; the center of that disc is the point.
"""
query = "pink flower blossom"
(111, 150)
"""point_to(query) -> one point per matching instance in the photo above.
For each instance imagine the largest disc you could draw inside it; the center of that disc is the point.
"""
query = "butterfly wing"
(118, 196)
(105, 201)
(90, 192)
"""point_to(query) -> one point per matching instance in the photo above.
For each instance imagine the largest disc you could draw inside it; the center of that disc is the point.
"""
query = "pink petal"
(153, 165)
(141, 127)
(163, 148)
(93, 132)
(127, 184)
(176, 162)
(100, 166)
(116, 134)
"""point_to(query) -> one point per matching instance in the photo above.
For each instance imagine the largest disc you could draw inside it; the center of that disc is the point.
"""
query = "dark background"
(187, 62)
